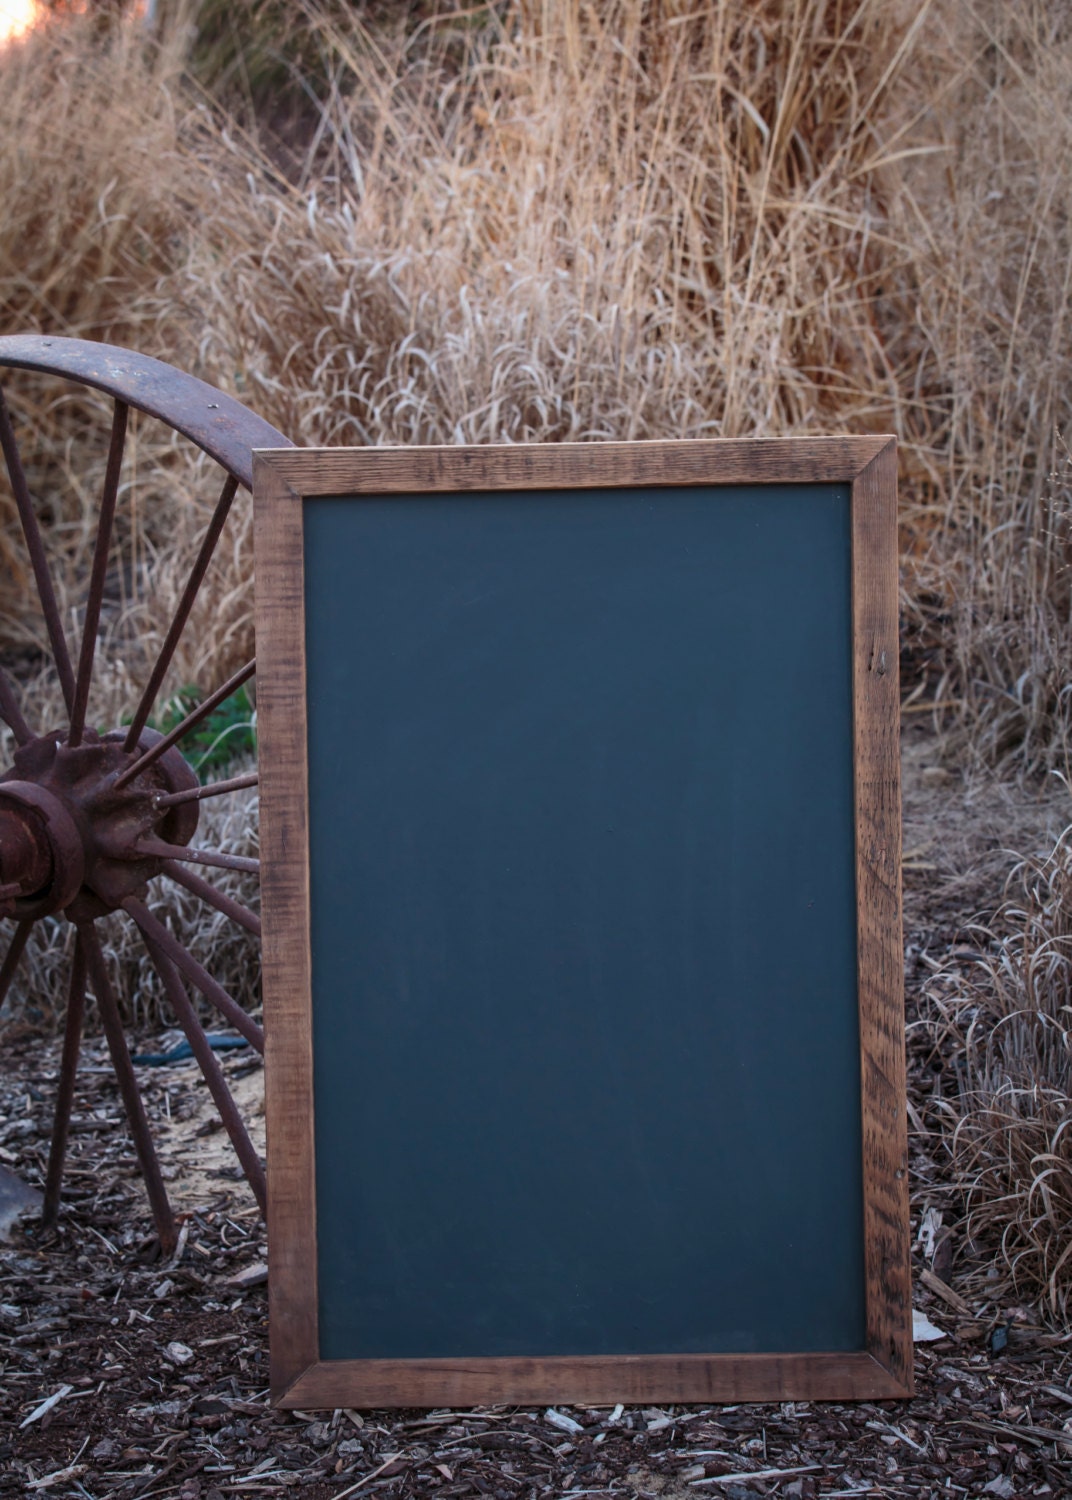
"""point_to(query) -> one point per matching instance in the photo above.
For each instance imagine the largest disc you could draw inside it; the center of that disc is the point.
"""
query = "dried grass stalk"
(578, 221)
(1003, 1022)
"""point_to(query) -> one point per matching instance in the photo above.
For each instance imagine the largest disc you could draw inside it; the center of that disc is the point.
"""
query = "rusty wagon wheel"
(88, 819)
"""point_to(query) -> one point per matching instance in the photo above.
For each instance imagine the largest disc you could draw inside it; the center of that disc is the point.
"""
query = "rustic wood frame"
(299, 1378)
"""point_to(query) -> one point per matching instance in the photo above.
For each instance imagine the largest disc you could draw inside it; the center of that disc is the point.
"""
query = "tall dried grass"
(600, 222)
(648, 221)
(1004, 1023)
(98, 212)
(585, 221)
(689, 247)
(995, 307)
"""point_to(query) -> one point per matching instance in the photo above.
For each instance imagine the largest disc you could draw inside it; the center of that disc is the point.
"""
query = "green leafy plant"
(227, 734)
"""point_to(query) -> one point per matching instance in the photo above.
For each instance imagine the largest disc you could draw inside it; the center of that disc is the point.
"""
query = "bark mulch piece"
(156, 1371)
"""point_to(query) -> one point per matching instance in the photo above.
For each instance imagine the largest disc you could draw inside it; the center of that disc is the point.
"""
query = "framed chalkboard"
(581, 896)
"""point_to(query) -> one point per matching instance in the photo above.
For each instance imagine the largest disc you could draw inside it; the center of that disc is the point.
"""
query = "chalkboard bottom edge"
(595, 1380)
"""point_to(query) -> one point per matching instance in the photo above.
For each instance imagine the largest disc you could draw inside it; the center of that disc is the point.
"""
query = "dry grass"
(98, 213)
(576, 221)
(997, 313)
(692, 246)
(1003, 1022)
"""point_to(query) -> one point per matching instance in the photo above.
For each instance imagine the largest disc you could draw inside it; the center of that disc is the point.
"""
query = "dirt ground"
(127, 1376)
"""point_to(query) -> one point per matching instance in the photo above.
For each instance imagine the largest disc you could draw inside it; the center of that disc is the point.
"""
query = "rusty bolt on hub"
(88, 820)
(70, 840)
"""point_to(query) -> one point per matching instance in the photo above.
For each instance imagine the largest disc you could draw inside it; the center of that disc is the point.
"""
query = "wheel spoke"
(11, 962)
(108, 1007)
(213, 1073)
(35, 547)
(198, 887)
(182, 613)
(98, 572)
(214, 993)
(224, 431)
(191, 721)
(11, 713)
(214, 789)
(187, 855)
(72, 1041)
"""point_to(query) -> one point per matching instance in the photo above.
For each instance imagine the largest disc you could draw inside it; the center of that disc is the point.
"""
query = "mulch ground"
(124, 1375)
(156, 1371)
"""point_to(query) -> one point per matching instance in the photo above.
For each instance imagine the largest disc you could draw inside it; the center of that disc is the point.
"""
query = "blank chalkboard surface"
(579, 804)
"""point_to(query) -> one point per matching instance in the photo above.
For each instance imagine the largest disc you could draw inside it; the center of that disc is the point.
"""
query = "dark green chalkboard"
(583, 929)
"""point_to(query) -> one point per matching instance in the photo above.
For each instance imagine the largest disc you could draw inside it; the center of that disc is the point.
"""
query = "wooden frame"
(282, 478)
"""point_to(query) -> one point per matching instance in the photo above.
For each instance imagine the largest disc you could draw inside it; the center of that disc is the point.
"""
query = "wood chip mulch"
(125, 1376)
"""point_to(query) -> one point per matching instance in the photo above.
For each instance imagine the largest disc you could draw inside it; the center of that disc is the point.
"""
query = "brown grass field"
(550, 219)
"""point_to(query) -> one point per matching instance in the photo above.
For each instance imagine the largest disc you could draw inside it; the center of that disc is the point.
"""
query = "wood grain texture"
(299, 1378)
(519, 466)
(627, 1378)
(288, 1058)
(876, 713)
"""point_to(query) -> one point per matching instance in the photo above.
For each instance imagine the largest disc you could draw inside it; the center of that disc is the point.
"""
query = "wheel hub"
(69, 839)
(85, 824)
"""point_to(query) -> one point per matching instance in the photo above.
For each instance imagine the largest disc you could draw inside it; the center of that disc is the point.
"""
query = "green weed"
(227, 734)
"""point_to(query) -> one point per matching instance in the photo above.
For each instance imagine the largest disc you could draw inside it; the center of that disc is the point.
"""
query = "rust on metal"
(213, 789)
(182, 613)
(97, 576)
(221, 426)
(108, 1008)
(31, 532)
(191, 721)
(214, 993)
(82, 831)
(208, 893)
(212, 1073)
(45, 858)
(72, 1043)
(25, 860)
(213, 857)
(89, 818)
